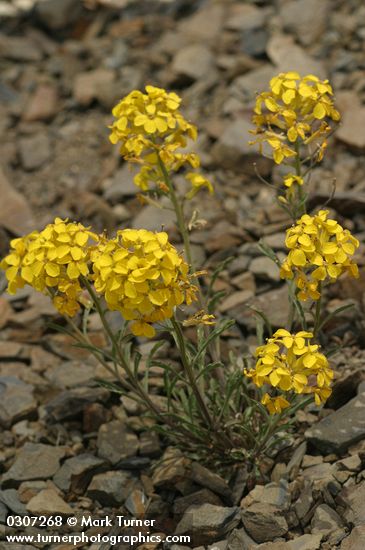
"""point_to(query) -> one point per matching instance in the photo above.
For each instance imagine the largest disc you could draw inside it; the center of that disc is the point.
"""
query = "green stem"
(298, 171)
(189, 372)
(317, 315)
(178, 210)
(180, 219)
(132, 379)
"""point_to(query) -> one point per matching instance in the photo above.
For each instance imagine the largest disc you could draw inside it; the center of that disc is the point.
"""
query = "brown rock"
(15, 213)
(43, 104)
(237, 298)
(34, 150)
(307, 18)
(283, 51)
(6, 311)
(351, 130)
(87, 86)
(356, 540)
(48, 502)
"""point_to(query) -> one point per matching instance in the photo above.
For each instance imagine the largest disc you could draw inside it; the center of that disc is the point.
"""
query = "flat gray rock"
(16, 401)
(341, 429)
(111, 488)
(264, 522)
(207, 523)
(34, 461)
(76, 472)
(115, 442)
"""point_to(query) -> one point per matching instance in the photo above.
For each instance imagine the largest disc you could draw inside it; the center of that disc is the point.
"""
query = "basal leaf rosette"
(320, 250)
(292, 364)
(150, 129)
(294, 109)
(143, 276)
(52, 261)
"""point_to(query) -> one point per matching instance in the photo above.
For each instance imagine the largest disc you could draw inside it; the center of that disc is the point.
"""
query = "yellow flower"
(275, 404)
(51, 261)
(199, 318)
(197, 181)
(142, 275)
(150, 129)
(295, 108)
(290, 363)
(291, 179)
(319, 250)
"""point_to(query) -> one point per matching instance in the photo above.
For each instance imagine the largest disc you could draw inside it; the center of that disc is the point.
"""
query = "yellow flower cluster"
(138, 272)
(51, 261)
(294, 109)
(289, 362)
(319, 249)
(150, 129)
(141, 275)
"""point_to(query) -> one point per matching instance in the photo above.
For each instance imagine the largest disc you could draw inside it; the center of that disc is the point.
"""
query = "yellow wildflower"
(197, 181)
(295, 108)
(51, 261)
(290, 363)
(291, 179)
(199, 318)
(275, 404)
(319, 250)
(150, 129)
(142, 275)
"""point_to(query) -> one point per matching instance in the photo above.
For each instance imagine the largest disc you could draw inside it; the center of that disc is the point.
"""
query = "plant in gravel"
(290, 118)
(293, 120)
(215, 408)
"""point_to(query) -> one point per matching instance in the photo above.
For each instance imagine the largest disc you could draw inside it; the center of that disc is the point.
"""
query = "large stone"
(205, 25)
(58, 14)
(71, 373)
(207, 523)
(71, 403)
(34, 151)
(264, 522)
(204, 477)
(16, 401)
(115, 442)
(275, 494)
(76, 472)
(15, 213)
(48, 502)
(246, 86)
(351, 130)
(172, 469)
(204, 496)
(111, 488)
(287, 55)
(240, 540)
(194, 61)
(264, 268)
(307, 18)
(10, 498)
(305, 542)
(121, 185)
(91, 85)
(356, 540)
(341, 429)
(19, 48)
(232, 150)
(246, 17)
(273, 304)
(325, 520)
(43, 104)
(354, 500)
(34, 461)
(154, 219)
